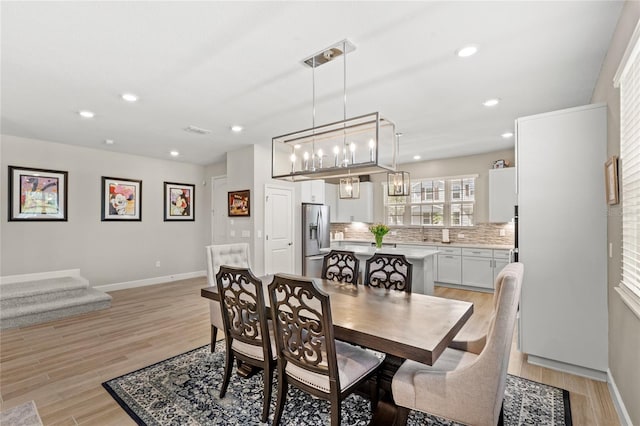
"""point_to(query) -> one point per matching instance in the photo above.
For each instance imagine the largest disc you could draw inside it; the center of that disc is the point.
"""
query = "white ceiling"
(214, 64)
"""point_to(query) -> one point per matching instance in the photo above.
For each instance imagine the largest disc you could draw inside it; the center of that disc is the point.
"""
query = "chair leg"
(501, 418)
(214, 335)
(228, 366)
(282, 394)
(374, 389)
(268, 382)
(402, 415)
(336, 411)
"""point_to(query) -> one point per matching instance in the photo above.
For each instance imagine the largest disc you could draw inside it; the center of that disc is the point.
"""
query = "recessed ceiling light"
(416, 157)
(507, 135)
(174, 153)
(491, 102)
(129, 97)
(86, 114)
(236, 128)
(109, 142)
(467, 51)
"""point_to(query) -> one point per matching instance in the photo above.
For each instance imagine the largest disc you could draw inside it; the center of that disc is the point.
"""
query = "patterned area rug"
(184, 390)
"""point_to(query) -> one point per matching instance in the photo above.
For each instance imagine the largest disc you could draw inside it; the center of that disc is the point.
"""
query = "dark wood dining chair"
(341, 265)
(309, 357)
(390, 271)
(247, 334)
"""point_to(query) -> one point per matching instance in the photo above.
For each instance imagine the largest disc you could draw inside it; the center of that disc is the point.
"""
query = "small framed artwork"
(179, 201)
(121, 199)
(37, 194)
(611, 179)
(239, 203)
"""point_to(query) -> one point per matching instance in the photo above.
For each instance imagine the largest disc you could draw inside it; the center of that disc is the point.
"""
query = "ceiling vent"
(197, 130)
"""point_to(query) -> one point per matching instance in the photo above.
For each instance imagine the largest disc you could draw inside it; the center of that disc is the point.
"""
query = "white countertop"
(432, 243)
(409, 253)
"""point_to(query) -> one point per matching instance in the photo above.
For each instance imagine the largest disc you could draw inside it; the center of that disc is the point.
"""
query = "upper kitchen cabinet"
(312, 191)
(331, 200)
(351, 210)
(502, 194)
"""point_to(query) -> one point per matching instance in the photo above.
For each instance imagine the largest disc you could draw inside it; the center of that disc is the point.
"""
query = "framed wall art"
(239, 203)
(611, 179)
(37, 194)
(179, 201)
(121, 199)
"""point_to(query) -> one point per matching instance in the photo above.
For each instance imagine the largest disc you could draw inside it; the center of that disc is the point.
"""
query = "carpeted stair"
(32, 302)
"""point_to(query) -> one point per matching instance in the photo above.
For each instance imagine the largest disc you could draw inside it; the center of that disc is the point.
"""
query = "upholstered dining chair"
(247, 334)
(341, 265)
(390, 271)
(217, 255)
(309, 357)
(467, 382)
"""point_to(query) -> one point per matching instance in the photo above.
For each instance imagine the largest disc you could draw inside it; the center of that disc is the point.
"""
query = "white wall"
(105, 252)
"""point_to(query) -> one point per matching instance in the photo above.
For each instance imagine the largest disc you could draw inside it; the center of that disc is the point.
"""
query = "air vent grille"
(197, 130)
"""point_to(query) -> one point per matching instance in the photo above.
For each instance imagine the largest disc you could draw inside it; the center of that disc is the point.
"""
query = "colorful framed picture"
(37, 194)
(121, 199)
(179, 201)
(611, 179)
(239, 203)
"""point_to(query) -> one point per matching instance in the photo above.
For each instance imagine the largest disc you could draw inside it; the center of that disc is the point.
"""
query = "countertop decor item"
(379, 230)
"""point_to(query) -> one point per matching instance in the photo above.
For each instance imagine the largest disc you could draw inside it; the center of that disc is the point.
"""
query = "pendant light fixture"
(398, 183)
(360, 145)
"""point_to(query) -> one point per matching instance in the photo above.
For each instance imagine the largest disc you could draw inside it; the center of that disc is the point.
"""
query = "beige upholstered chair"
(217, 255)
(247, 334)
(309, 357)
(466, 384)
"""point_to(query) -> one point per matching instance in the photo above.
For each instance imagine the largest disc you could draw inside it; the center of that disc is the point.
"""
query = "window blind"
(629, 81)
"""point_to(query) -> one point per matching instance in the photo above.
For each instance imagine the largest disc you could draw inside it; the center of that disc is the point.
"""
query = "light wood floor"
(62, 364)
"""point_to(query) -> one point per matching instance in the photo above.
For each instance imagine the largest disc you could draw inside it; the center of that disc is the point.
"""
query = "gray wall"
(468, 165)
(624, 326)
(105, 252)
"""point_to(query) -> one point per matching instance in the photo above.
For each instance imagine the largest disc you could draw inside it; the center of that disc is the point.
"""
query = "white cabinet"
(449, 265)
(502, 194)
(477, 267)
(501, 258)
(563, 237)
(312, 191)
(331, 200)
(358, 209)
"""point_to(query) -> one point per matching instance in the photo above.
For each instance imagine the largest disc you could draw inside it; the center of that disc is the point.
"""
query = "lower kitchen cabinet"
(477, 271)
(449, 269)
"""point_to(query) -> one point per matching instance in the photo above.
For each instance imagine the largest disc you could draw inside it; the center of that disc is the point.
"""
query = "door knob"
(290, 244)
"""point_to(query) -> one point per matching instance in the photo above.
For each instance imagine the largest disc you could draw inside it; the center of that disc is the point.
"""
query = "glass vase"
(378, 241)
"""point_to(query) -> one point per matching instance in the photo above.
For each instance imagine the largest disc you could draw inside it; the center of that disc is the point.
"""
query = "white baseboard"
(150, 281)
(39, 276)
(567, 368)
(623, 414)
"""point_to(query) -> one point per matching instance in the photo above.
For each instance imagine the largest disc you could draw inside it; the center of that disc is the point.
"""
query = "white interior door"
(219, 216)
(279, 247)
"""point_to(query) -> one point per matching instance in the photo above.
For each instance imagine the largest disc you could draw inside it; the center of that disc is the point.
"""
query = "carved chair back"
(390, 271)
(341, 265)
(301, 315)
(243, 307)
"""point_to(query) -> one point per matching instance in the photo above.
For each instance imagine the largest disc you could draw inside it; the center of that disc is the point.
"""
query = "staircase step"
(31, 292)
(18, 316)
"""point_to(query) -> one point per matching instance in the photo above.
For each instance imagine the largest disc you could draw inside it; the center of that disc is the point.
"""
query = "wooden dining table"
(406, 325)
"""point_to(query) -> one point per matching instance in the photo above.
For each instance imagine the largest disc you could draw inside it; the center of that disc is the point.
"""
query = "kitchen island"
(421, 259)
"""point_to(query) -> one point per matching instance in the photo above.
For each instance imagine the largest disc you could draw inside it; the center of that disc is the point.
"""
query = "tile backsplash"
(482, 233)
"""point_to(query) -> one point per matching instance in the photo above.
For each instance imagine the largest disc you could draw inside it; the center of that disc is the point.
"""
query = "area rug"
(22, 415)
(184, 390)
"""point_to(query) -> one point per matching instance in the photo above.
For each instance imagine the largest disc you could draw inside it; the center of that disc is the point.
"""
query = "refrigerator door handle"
(319, 232)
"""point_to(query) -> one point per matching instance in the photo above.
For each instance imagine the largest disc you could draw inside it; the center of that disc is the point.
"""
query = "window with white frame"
(628, 79)
(436, 202)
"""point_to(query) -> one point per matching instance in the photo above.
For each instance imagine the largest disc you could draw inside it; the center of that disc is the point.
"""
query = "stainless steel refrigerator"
(315, 236)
